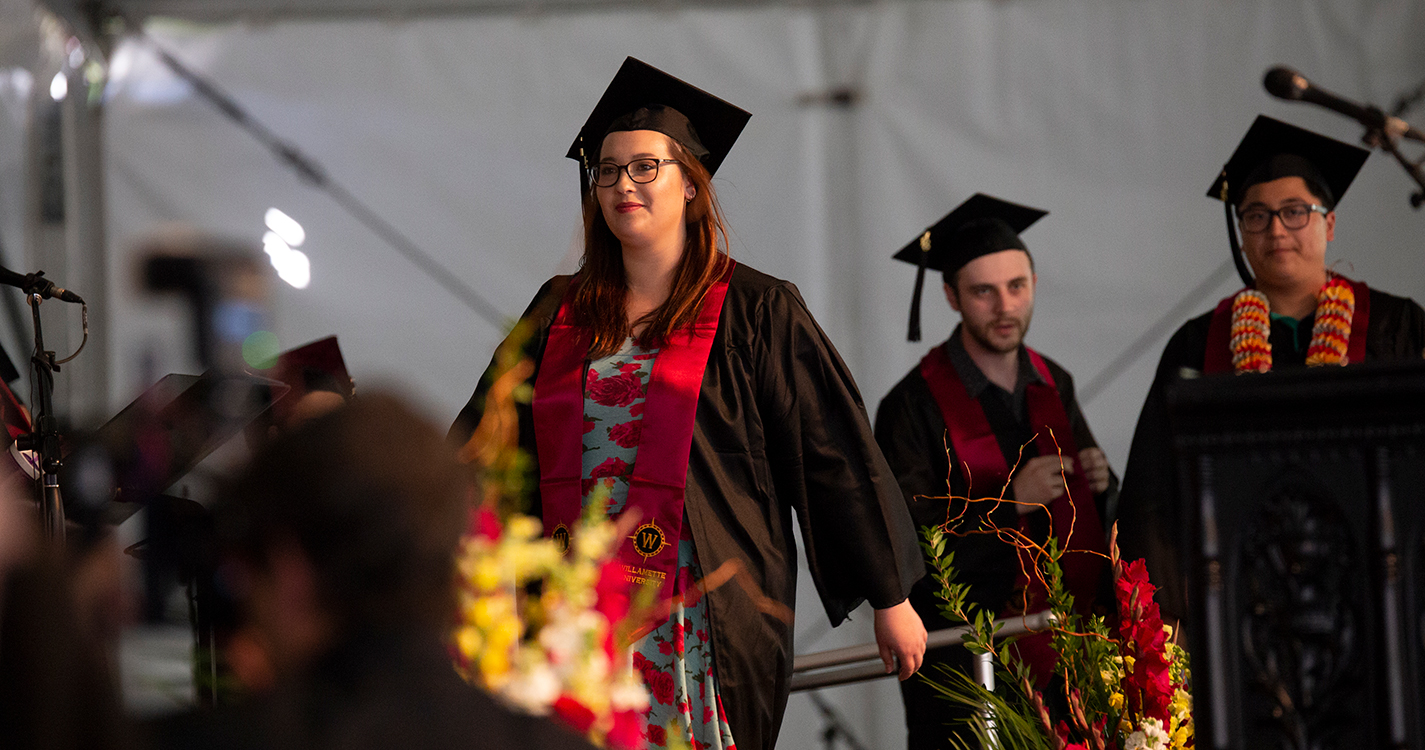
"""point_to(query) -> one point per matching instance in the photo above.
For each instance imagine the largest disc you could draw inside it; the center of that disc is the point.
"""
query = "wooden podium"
(1303, 534)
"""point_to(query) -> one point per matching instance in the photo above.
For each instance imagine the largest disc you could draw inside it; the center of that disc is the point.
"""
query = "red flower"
(645, 356)
(640, 662)
(657, 735)
(707, 714)
(612, 467)
(628, 367)
(665, 648)
(484, 522)
(1149, 689)
(660, 684)
(627, 434)
(627, 732)
(703, 635)
(574, 713)
(636, 410)
(619, 390)
(588, 426)
(611, 595)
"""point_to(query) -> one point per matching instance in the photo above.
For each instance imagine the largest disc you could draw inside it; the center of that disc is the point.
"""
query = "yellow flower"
(1128, 663)
(1116, 701)
(468, 640)
(494, 664)
(523, 527)
(486, 574)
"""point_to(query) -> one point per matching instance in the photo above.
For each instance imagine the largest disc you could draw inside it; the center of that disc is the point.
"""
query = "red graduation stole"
(1218, 357)
(1075, 522)
(660, 471)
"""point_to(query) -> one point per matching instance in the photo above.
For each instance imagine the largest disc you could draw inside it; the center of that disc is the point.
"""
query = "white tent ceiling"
(451, 123)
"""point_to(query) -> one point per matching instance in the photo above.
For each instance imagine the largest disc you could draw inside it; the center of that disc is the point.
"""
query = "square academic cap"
(642, 97)
(979, 226)
(316, 366)
(1271, 150)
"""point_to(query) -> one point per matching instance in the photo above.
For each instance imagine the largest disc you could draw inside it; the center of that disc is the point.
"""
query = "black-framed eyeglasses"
(1294, 216)
(641, 171)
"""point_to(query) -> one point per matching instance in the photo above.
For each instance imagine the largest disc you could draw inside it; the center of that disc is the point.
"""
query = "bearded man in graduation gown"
(977, 406)
(1284, 184)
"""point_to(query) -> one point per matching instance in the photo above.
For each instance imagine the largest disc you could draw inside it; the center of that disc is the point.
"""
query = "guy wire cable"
(310, 171)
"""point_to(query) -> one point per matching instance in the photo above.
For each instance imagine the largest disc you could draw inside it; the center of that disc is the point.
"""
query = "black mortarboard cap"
(1271, 150)
(642, 97)
(979, 226)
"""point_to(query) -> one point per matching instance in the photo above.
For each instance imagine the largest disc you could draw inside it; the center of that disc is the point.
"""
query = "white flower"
(1152, 735)
(533, 690)
(628, 694)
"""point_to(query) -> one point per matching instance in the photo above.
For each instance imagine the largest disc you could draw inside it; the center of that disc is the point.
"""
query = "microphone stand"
(1379, 138)
(45, 438)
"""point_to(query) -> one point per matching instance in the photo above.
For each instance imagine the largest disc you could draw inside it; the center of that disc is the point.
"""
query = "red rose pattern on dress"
(678, 654)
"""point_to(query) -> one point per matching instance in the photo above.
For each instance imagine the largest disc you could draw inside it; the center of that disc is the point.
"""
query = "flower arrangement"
(549, 632)
(1124, 686)
(546, 629)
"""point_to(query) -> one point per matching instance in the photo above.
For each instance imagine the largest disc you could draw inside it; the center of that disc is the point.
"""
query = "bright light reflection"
(59, 87)
(286, 227)
(292, 266)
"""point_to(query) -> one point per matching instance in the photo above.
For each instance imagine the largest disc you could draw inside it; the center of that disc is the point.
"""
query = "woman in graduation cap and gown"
(704, 396)
(1296, 312)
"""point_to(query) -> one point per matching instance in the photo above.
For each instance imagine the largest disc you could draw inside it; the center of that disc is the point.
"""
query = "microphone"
(36, 283)
(1285, 83)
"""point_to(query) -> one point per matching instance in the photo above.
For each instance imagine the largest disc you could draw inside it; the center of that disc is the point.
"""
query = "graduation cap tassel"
(583, 173)
(913, 334)
(1237, 259)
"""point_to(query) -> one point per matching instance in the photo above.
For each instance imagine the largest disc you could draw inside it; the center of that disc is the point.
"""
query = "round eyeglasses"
(1295, 216)
(641, 171)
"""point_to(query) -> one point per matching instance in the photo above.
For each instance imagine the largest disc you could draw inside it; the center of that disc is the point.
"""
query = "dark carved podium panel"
(1303, 534)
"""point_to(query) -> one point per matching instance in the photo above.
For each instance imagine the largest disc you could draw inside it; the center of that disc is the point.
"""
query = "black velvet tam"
(1272, 149)
(642, 97)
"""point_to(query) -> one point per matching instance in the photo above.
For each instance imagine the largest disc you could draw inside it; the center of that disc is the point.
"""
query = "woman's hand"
(901, 636)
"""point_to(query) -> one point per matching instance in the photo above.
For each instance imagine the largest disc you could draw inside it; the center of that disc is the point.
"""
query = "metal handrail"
(807, 669)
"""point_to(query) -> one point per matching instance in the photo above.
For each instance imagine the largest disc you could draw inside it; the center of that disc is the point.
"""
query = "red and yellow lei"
(1330, 335)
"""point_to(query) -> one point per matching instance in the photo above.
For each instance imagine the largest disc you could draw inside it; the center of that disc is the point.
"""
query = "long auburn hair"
(599, 299)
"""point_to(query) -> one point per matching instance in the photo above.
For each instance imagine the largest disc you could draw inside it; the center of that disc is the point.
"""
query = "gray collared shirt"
(975, 381)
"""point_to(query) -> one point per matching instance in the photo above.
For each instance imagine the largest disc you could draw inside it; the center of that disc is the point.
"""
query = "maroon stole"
(1218, 357)
(660, 471)
(1073, 516)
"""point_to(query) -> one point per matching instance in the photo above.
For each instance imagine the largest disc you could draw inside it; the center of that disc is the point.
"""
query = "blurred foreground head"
(348, 523)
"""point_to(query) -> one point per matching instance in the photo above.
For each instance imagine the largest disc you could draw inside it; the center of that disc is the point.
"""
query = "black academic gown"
(1150, 504)
(912, 433)
(780, 427)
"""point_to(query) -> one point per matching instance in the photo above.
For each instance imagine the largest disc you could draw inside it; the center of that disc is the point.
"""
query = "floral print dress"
(676, 658)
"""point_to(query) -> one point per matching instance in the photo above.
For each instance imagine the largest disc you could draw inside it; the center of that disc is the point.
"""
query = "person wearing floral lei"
(701, 398)
(978, 405)
(1283, 184)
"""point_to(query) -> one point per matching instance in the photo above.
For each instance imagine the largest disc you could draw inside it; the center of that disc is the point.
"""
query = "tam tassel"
(913, 334)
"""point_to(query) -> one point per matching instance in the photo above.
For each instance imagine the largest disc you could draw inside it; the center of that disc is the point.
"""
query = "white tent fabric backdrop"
(1115, 115)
